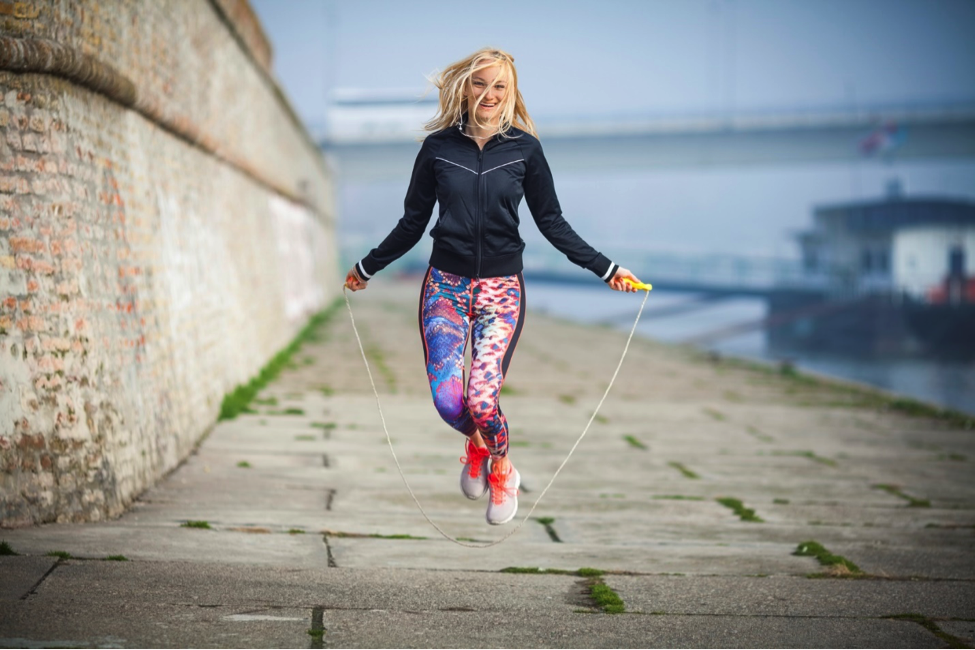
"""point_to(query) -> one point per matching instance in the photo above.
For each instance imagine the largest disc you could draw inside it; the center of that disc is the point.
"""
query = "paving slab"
(441, 630)
(20, 574)
(790, 596)
(639, 498)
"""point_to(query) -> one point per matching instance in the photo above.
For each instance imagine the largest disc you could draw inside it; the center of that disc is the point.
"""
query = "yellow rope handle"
(639, 285)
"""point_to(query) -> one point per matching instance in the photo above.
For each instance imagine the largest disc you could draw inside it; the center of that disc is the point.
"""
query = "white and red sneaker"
(504, 496)
(474, 476)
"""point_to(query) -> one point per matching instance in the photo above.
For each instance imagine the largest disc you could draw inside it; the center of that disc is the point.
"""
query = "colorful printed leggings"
(448, 305)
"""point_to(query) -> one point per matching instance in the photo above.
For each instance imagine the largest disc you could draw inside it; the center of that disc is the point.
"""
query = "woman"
(482, 156)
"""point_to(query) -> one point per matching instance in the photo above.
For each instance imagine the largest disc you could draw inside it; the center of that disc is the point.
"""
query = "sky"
(580, 58)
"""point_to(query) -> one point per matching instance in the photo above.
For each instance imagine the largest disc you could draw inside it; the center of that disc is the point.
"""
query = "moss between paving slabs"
(196, 524)
(683, 470)
(897, 492)
(837, 565)
(634, 442)
(239, 400)
(602, 595)
(932, 627)
(745, 514)
(342, 534)
(605, 598)
(549, 528)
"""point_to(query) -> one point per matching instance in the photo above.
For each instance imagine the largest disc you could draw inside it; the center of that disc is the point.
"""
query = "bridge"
(382, 143)
(715, 275)
(374, 142)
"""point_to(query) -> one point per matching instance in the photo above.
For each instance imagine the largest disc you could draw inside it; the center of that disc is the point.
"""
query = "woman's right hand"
(354, 281)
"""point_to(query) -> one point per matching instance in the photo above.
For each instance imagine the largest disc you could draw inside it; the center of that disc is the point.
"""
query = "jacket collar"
(460, 133)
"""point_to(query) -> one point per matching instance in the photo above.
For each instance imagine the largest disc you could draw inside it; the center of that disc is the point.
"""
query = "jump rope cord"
(554, 476)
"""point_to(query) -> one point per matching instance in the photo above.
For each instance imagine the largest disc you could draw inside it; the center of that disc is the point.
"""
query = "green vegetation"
(238, 401)
(716, 414)
(897, 492)
(822, 460)
(549, 528)
(267, 401)
(932, 627)
(602, 419)
(952, 456)
(635, 442)
(117, 558)
(506, 389)
(316, 634)
(195, 524)
(764, 437)
(605, 598)
(683, 470)
(745, 514)
(327, 391)
(342, 534)
(291, 410)
(6, 549)
(584, 572)
(295, 531)
(587, 572)
(567, 399)
(839, 566)
(64, 555)
(781, 502)
(244, 464)
(676, 497)
(327, 426)
(304, 437)
(602, 595)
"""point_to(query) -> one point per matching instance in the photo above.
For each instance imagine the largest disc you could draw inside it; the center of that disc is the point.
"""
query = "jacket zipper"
(477, 215)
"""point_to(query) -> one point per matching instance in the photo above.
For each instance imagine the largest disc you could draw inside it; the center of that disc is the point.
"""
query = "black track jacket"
(476, 234)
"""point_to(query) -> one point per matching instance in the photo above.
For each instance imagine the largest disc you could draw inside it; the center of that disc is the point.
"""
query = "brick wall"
(157, 246)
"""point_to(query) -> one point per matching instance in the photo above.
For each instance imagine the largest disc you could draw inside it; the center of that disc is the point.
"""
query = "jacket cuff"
(610, 272)
(361, 268)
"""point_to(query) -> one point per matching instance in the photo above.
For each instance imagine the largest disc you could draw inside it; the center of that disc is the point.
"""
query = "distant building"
(909, 246)
(885, 276)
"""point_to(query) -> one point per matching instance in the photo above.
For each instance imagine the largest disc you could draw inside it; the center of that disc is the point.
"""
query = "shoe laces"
(475, 458)
(499, 487)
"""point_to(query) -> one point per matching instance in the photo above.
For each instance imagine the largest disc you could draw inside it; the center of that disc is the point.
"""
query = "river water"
(945, 383)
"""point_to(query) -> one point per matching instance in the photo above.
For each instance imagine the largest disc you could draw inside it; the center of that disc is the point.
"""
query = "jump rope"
(640, 286)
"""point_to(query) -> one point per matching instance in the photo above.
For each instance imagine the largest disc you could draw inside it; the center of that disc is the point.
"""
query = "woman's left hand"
(619, 281)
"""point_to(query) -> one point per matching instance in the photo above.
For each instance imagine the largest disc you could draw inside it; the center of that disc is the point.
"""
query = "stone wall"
(165, 228)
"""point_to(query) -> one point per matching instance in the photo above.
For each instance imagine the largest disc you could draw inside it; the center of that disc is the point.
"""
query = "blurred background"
(795, 177)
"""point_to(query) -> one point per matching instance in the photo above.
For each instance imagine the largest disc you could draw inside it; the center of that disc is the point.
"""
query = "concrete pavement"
(313, 540)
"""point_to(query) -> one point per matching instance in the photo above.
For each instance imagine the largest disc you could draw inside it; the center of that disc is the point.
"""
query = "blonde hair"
(452, 82)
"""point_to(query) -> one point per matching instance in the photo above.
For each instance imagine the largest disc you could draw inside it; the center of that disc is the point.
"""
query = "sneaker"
(504, 497)
(474, 476)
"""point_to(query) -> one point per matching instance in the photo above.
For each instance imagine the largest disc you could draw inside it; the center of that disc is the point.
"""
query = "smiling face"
(487, 87)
